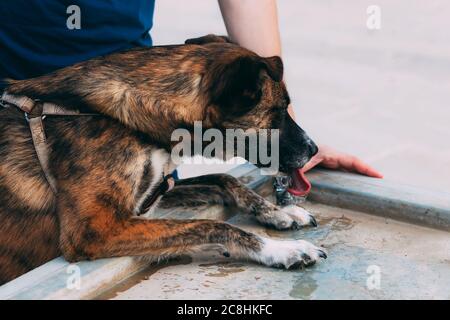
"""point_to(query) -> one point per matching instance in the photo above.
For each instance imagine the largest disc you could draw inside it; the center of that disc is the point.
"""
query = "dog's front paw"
(289, 217)
(289, 253)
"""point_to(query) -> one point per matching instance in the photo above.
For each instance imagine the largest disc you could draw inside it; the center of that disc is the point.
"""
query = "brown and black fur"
(103, 164)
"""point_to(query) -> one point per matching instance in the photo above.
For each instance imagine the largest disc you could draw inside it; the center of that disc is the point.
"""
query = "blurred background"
(382, 95)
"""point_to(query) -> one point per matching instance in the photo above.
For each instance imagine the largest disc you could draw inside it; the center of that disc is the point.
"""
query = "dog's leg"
(97, 227)
(226, 190)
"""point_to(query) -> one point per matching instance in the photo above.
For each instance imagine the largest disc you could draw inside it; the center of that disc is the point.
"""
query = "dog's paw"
(289, 217)
(289, 253)
(300, 216)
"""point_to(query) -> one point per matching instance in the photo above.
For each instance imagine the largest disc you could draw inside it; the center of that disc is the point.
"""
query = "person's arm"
(253, 24)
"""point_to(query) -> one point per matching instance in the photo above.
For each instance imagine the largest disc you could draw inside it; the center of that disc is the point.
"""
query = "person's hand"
(328, 157)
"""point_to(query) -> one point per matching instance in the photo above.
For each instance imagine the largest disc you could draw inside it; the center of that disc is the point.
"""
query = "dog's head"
(246, 91)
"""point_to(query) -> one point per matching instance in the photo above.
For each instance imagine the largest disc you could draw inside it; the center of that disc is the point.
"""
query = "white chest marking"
(159, 158)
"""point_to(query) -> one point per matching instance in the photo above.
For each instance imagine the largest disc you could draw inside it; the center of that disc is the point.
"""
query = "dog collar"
(166, 185)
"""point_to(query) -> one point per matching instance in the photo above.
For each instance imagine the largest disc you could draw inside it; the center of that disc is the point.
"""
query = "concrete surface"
(382, 95)
(380, 197)
(413, 263)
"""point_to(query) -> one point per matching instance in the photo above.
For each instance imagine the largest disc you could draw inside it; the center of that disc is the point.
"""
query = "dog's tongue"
(300, 185)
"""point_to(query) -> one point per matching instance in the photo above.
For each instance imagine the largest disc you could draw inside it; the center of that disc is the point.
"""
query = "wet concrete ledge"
(381, 197)
(57, 279)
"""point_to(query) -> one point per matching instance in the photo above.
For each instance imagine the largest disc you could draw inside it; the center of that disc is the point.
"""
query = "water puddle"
(140, 276)
(222, 268)
(327, 225)
(304, 288)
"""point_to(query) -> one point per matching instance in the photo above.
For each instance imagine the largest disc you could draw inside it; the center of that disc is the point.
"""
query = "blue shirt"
(35, 38)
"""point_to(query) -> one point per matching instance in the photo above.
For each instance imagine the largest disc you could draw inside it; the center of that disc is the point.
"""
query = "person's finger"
(357, 165)
(372, 172)
(345, 162)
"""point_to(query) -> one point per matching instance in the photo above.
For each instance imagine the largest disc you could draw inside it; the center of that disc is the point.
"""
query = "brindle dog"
(107, 166)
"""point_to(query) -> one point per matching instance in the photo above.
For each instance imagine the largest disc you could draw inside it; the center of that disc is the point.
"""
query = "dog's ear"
(210, 38)
(237, 86)
(274, 67)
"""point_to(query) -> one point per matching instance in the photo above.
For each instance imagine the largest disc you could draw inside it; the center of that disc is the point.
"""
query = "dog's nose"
(313, 149)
